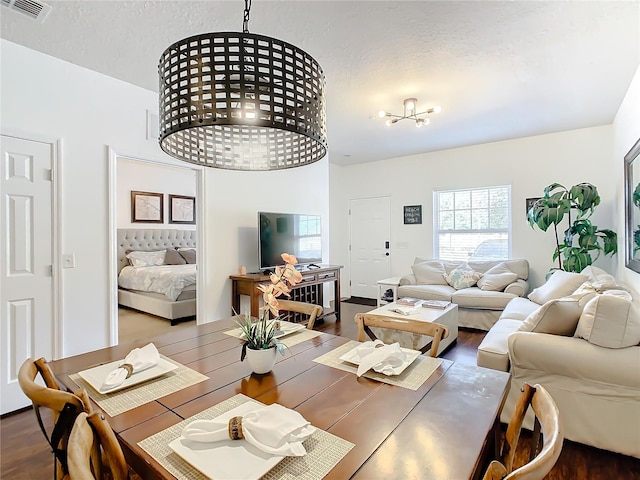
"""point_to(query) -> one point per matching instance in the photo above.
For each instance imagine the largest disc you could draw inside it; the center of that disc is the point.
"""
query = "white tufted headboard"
(148, 240)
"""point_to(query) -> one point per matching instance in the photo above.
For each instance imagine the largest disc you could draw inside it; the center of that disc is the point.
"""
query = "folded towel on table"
(382, 358)
(137, 360)
(274, 429)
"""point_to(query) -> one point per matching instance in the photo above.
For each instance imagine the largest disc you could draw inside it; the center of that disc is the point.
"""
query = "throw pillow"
(497, 278)
(188, 254)
(560, 284)
(556, 317)
(172, 257)
(462, 277)
(429, 273)
(146, 259)
(610, 321)
(599, 278)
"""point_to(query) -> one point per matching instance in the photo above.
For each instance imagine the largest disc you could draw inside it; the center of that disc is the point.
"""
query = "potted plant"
(581, 239)
(260, 346)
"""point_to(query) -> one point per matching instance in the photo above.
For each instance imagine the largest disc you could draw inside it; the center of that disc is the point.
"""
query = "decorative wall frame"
(413, 214)
(182, 209)
(632, 207)
(147, 207)
(531, 202)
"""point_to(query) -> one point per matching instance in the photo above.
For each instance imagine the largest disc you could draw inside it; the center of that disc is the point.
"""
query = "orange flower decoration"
(281, 282)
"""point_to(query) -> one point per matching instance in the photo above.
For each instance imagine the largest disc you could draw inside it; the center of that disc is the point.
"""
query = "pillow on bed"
(172, 257)
(189, 254)
(146, 259)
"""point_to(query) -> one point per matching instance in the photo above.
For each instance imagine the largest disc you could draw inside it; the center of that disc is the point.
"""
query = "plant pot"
(261, 361)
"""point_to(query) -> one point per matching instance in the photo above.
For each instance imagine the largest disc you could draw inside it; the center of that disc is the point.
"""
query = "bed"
(156, 294)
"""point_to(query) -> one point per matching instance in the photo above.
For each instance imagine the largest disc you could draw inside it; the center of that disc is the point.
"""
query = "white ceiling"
(498, 69)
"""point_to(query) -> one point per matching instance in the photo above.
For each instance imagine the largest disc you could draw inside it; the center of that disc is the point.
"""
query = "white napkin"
(139, 358)
(274, 429)
(382, 358)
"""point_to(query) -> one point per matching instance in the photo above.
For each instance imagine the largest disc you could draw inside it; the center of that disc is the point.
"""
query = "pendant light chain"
(245, 22)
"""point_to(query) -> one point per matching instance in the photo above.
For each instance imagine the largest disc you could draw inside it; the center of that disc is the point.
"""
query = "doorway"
(369, 258)
(164, 181)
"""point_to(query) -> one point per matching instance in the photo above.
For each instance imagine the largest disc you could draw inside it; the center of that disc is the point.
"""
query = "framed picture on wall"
(182, 209)
(147, 207)
(531, 202)
(413, 214)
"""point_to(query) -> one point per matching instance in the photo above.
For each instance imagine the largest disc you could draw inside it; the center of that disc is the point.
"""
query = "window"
(472, 224)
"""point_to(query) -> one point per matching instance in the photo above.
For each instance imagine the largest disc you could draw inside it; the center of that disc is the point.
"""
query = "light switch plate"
(68, 260)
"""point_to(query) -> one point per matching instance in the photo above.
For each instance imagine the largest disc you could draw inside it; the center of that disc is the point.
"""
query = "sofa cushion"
(519, 309)
(427, 292)
(610, 321)
(599, 278)
(473, 297)
(557, 317)
(493, 351)
(462, 277)
(517, 266)
(560, 284)
(497, 278)
(429, 273)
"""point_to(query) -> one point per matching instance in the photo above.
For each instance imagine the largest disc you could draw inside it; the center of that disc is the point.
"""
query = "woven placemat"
(289, 340)
(324, 450)
(412, 377)
(119, 402)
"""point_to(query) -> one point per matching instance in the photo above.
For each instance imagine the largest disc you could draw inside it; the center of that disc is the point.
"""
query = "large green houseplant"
(581, 239)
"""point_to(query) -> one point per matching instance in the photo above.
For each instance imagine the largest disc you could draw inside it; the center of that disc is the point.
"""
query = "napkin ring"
(235, 428)
(128, 367)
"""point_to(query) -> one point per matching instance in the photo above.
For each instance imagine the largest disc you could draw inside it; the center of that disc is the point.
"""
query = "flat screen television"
(293, 233)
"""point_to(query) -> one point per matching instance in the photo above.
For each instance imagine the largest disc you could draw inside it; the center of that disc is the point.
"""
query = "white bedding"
(166, 279)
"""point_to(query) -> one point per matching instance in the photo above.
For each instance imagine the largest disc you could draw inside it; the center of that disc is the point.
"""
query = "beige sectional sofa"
(582, 345)
(479, 306)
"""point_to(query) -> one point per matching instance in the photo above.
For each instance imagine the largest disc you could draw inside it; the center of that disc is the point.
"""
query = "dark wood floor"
(25, 456)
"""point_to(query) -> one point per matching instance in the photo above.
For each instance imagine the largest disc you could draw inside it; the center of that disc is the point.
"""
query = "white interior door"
(26, 246)
(370, 232)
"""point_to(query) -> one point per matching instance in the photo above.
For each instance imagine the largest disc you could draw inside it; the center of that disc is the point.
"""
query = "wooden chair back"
(93, 447)
(431, 329)
(309, 309)
(547, 425)
(65, 406)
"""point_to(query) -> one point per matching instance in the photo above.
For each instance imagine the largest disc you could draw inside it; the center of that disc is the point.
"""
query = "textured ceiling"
(499, 70)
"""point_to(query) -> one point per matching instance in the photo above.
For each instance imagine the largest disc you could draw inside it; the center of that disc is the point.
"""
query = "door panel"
(26, 298)
(370, 231)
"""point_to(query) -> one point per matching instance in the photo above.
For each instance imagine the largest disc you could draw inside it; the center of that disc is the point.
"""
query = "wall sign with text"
(412, 214)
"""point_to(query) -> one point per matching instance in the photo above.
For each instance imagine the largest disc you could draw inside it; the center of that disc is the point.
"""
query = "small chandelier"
(241, 101)
(410, 105)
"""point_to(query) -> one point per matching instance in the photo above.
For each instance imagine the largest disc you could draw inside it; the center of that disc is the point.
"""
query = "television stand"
(309, 290)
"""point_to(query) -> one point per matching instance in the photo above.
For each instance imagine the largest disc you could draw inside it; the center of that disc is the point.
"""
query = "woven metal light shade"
(241, 101)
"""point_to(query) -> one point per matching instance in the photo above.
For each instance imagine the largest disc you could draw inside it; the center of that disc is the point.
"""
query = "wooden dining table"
(443, 430)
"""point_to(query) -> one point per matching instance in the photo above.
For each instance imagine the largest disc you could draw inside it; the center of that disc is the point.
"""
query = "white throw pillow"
(556, 317)
(599, 278)
(610, 321)
(497, 278)
(146, 259)
(560, 284)
(462, 277)
(429, 273)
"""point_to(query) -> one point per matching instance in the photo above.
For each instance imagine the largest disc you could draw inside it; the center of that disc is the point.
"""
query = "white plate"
(228, 459)
(287, 328)
(410, 355)
(96, 375)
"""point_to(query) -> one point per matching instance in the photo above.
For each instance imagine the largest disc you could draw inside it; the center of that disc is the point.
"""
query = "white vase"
(261, 361)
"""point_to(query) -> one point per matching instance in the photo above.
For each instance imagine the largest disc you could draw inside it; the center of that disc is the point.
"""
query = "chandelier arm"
(245, 20)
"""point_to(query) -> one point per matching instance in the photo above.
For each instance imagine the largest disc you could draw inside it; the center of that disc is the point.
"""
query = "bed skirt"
(158, 304)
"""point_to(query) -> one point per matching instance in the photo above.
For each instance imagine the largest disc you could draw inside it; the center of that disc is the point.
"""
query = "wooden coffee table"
(447, 317)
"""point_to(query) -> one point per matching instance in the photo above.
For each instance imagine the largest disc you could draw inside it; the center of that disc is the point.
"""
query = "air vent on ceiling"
(31, 8)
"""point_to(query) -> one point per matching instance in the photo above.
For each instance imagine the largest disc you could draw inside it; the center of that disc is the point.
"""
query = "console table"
(309, 290)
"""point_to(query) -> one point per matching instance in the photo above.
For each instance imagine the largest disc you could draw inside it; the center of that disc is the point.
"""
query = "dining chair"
(313, 311)
(94, 451)
(431, 329)
(65, 406)
(546, 425)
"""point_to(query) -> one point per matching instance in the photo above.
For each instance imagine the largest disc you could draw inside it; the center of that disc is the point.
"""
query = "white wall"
(45, 96)
(527, 164)
(149, 177)
(626, 131)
